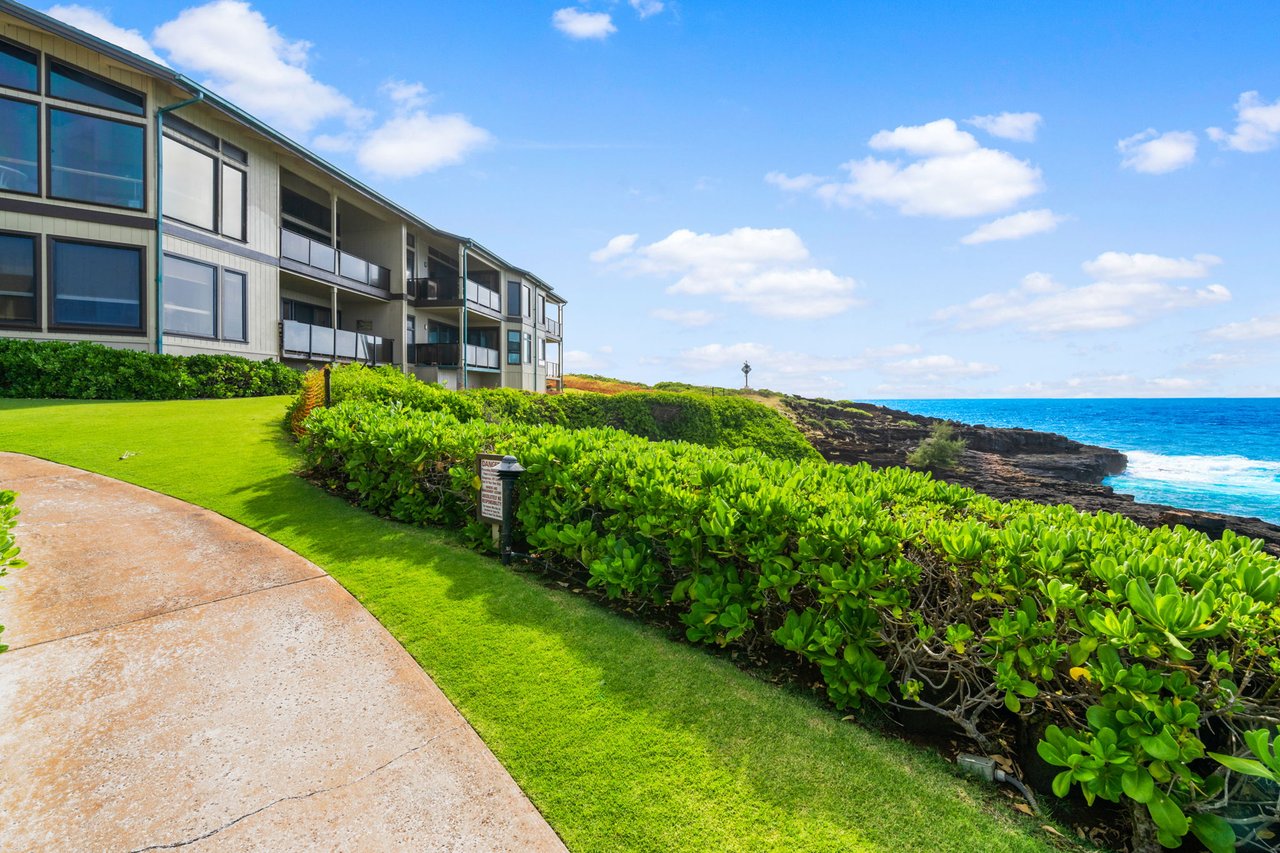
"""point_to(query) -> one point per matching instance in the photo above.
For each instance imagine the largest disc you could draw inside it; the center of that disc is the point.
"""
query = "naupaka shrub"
(1146, 659)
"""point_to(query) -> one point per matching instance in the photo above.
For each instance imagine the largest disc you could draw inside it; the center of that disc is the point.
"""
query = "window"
(188, 184)
(528, 302)
(232, 202)
(189, 298)
(71, 84)
(96, 160)
(189, 130)
(528, 348)
(513, 299)
(305, 312)
(411, 330)
(235, 152)
(441, 333)
(542, 308)
(19, 146)
(96, 285)
(19, 67)
(17, 279)
(513, 347)
(234, 286)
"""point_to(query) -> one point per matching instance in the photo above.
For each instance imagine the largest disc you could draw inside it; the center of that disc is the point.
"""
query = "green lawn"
(623, 739)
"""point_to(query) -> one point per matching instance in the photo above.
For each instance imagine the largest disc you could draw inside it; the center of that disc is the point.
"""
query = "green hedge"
(88, 371)
(9, 549)
(659, 416)
(1146, 659)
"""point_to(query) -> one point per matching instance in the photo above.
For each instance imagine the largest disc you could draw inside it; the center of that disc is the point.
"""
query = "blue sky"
(865, 200)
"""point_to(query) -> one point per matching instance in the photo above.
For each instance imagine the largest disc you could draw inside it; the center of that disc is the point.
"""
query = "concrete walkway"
(176, 680)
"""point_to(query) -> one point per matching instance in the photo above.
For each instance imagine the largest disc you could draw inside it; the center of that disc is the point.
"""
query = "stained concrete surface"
(177, 680)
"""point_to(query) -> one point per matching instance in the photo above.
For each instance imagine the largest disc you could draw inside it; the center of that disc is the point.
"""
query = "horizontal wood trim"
(76, 214)
(219, 243)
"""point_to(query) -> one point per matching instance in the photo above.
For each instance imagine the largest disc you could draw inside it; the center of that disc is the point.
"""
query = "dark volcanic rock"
(1010, 464)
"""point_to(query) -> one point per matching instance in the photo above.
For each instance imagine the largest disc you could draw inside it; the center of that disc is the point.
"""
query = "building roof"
(213, 99)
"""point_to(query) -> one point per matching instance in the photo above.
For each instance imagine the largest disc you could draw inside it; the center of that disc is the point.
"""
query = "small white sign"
(489, 504)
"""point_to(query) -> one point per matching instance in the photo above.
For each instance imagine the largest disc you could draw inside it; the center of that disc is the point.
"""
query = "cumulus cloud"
(766, 358)
(581, 361)
(937, 368)
(953, 176)
(95, 23)
(1014, 227)
(410, 144)
(1130, 289)
(1020, 127)
(1156, 153)
(579, 24)
(1254, 329)
(647, 8)
(891, 351)
(1257, 125)
(1107, 385)
(766, 269)
(689, 319)
(250, 62)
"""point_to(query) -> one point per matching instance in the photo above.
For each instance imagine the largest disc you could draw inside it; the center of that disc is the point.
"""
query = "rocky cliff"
(1004, 463)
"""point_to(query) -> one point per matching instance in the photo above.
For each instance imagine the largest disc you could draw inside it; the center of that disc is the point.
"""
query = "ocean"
(1219, 455)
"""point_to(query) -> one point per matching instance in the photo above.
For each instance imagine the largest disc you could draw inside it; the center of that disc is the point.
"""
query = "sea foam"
(1226, 474)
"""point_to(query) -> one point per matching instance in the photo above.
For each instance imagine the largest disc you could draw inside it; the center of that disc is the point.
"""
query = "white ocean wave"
(1233, 474)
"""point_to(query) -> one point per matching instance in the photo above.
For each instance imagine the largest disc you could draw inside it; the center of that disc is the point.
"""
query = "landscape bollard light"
(328, 388)
(509, 470)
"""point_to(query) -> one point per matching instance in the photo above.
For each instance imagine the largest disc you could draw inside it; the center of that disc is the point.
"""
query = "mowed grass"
(624, 739)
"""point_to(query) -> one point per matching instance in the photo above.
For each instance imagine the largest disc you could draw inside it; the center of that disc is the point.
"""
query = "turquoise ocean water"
(1220, 455)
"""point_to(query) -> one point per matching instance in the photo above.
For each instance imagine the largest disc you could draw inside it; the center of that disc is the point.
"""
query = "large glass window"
(95, 285)
(233, 299)
(96, 160)
(83, 88)
(528, 348)
(17, 279)
(19, 67)
(513, 347)
(232, 202)
(19, 146)
(513, 299)
(189, 297)
(188, 184)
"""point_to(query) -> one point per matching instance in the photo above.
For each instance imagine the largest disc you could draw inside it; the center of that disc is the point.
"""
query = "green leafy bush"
(1148, 658)
(939, 451)
(89, 371)
(9, 549)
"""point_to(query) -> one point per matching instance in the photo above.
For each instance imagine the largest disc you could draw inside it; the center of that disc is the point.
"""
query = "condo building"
(140, 210)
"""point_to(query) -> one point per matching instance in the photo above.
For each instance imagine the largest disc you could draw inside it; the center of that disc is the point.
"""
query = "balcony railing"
(553, 369)
(446, 355)
(552, 326)
(424, 291)
(303, 340)
(321, 256)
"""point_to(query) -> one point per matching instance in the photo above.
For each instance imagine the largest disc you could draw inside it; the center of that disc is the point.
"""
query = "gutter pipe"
(159, 255)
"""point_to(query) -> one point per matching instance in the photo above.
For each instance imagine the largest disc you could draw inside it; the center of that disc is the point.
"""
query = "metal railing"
(322, 256)
(446, 355)
(552, 326)
(426, 290)
(553, 369)
(303, 340)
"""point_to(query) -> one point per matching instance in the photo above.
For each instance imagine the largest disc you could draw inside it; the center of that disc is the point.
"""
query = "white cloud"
(765, 269)
(1106, 385)
(1130, 290)
(578, 24)
(615, 248)
(405, 95)
(956, 176)
(891, 351)
(793, 184)
(581, 361)
(1156, 153)
(1123, 266)
(95, 23)
(1020, 127)
(763, 357)
(1014, 227)
(1255, 329)
(246, 59)
(647, 8)
(416, 142)
(1257, 125)
(937, 368)
(689, 319)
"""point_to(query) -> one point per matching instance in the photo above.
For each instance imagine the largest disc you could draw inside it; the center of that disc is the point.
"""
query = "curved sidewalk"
(176, 680)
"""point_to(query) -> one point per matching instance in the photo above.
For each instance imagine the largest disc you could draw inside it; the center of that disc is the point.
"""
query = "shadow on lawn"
(519, 657)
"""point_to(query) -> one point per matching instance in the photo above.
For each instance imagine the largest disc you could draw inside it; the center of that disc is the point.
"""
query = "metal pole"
(328, 388)
(159, 253)
(462, 288)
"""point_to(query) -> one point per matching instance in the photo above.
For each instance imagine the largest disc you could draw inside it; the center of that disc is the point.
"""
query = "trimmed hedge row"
(1146, 658)
(658, 416)
(89, 371)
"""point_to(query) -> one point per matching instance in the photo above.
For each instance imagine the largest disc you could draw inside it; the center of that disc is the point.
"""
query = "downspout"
(462, 286)
(159, 259)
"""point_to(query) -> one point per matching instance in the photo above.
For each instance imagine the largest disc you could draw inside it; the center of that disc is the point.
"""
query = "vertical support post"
(509, 470)
(328, 388)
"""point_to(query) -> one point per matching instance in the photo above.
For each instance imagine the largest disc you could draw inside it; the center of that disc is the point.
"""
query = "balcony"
(303, 340)
(324, 258)
(428, 292)
(551, 326)
(446, 355)
(553, 369)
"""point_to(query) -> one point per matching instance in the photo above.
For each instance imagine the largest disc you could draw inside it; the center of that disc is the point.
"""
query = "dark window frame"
(216, 216)
(52, 280)
(513, 355)
(48, 156)
(37, 256)
(41, 153)
(217, 296)
(244, 305)
(219, 187)
(244, 200)
(22, 48)
(48, 88)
